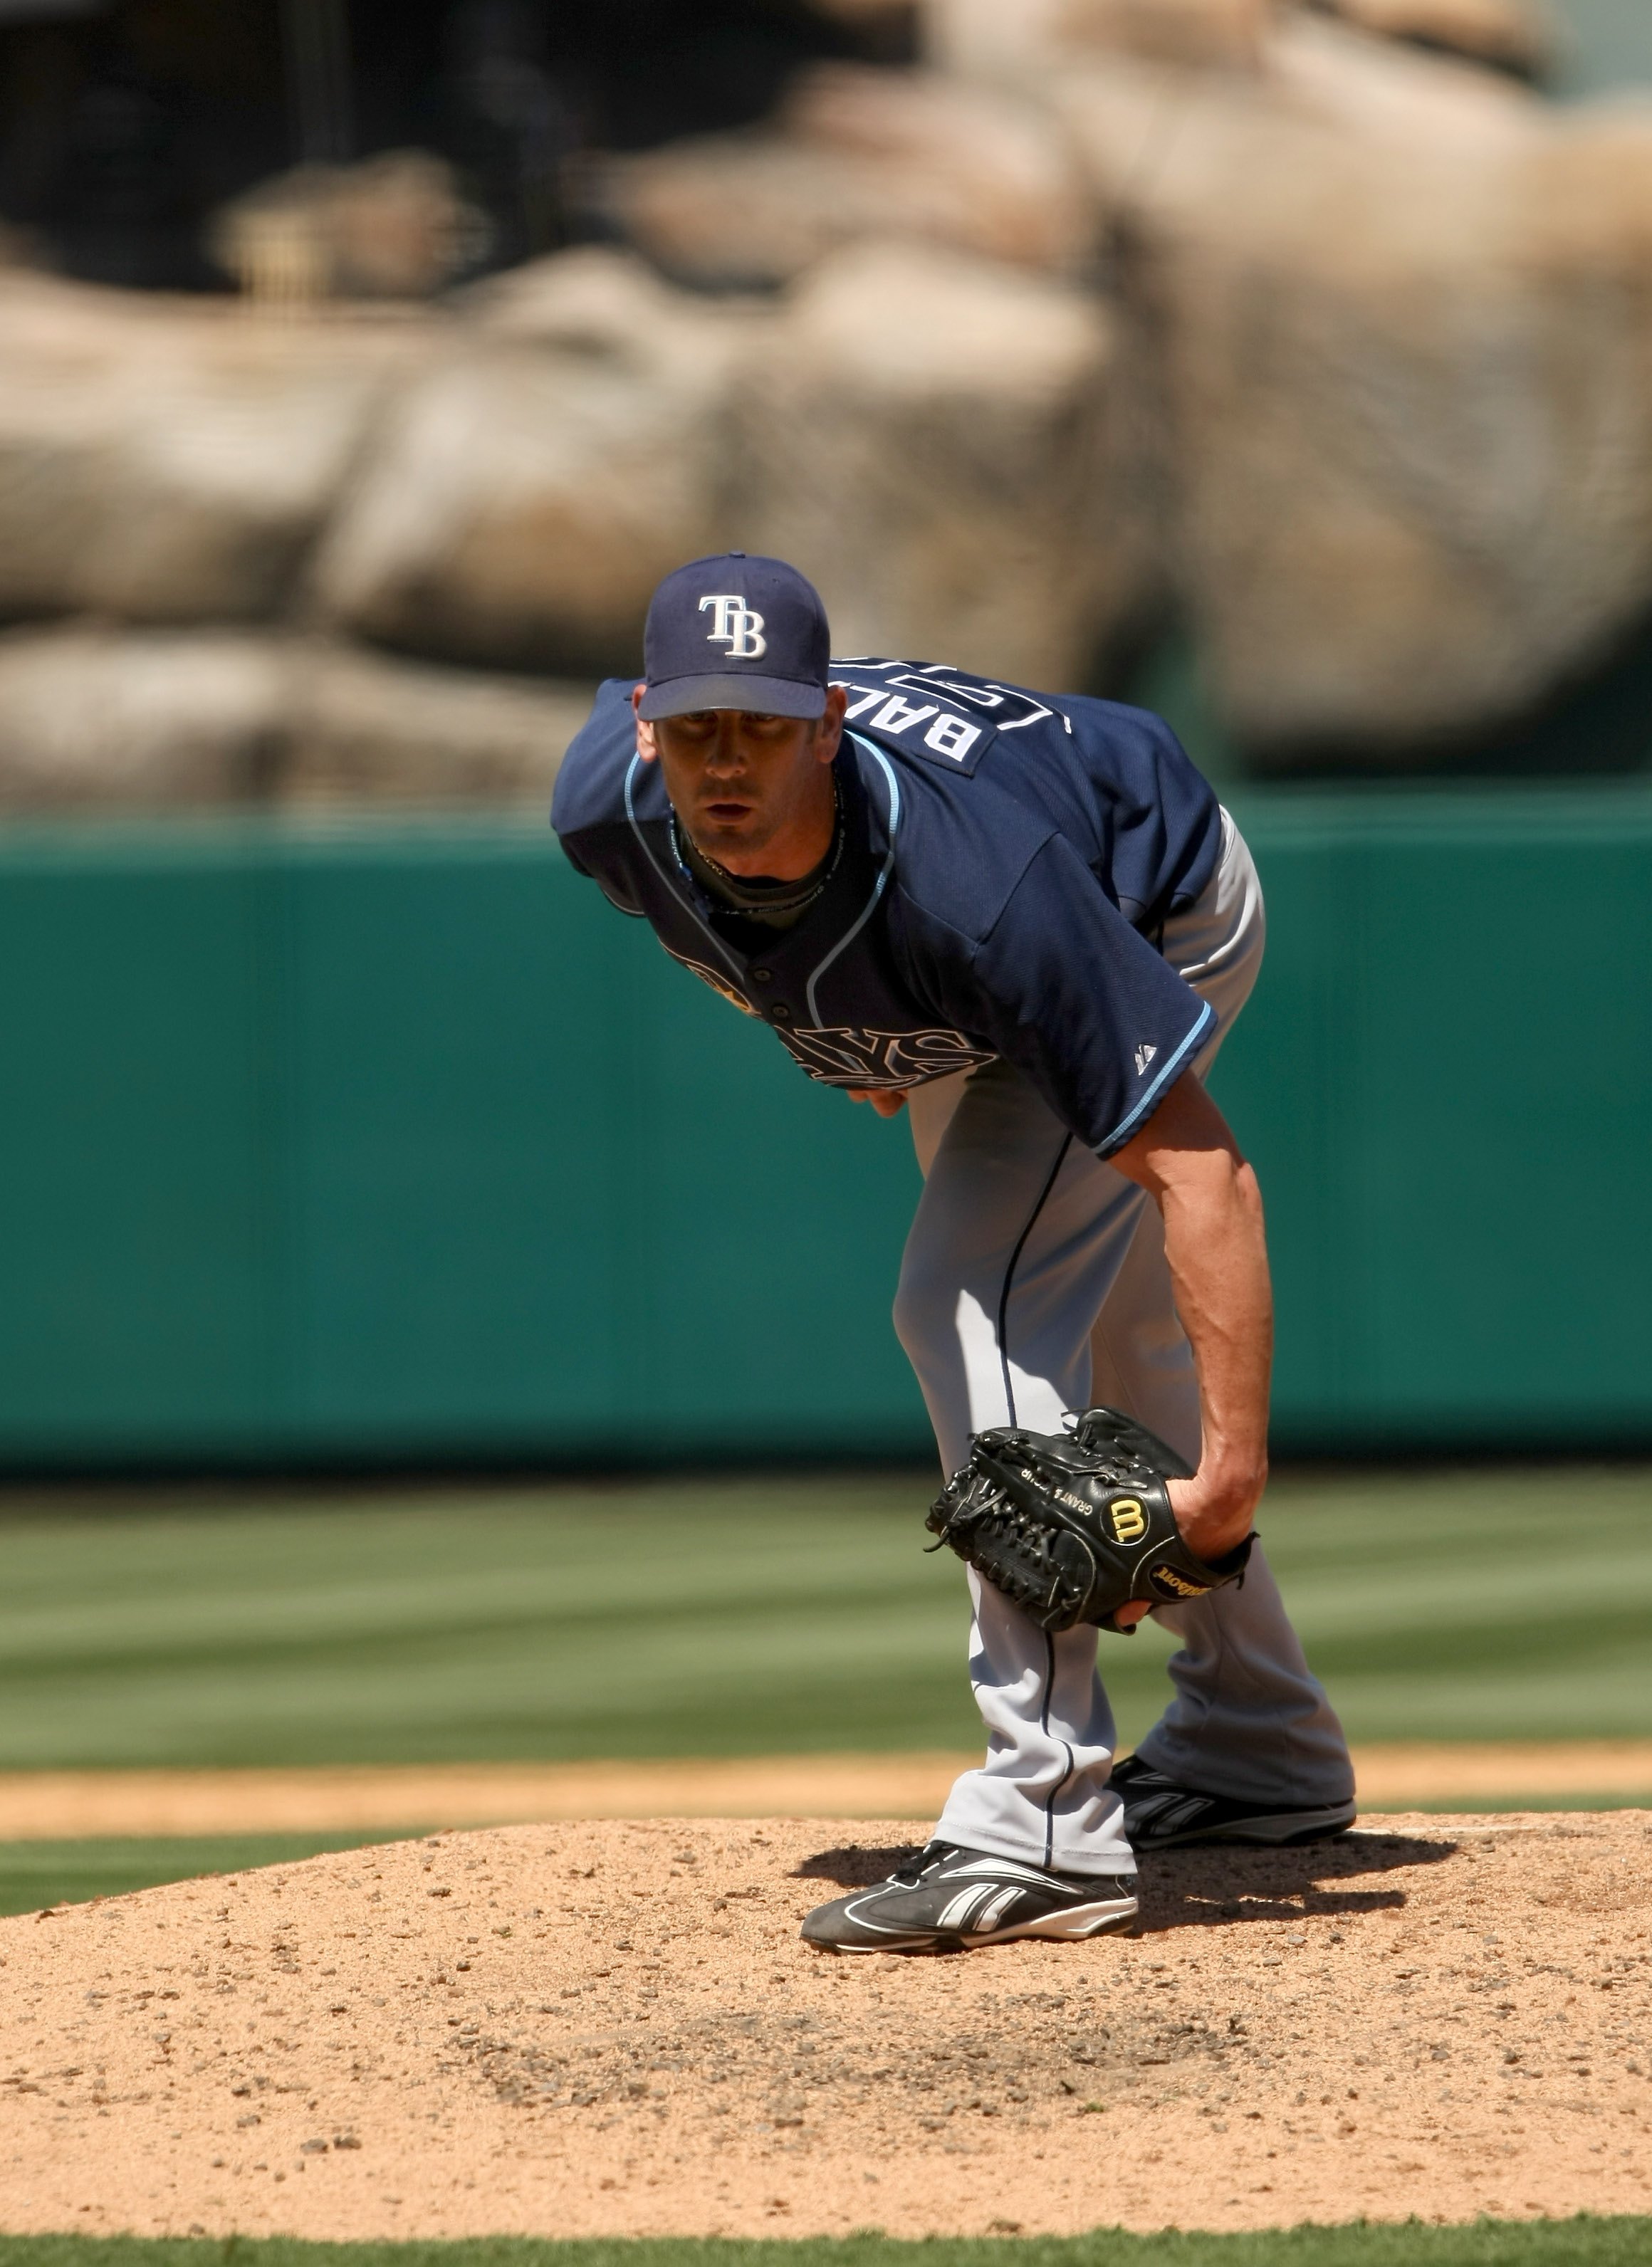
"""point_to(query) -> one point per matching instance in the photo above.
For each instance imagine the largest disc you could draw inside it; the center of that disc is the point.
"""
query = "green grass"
(1478, 1606)
(1582, 2242)
(711, 1617)
(34, 1875)
(746, 1616)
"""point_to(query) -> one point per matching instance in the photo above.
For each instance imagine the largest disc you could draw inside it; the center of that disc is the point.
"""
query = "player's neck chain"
(758, 893)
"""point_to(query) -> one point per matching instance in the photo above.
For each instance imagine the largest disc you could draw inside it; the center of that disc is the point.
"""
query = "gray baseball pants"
(1034, 1282)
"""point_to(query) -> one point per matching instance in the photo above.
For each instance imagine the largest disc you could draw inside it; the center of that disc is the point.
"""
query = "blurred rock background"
(1289, 367)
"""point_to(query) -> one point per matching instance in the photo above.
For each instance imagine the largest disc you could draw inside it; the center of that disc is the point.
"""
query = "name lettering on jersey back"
(936, 722)
(951, 736)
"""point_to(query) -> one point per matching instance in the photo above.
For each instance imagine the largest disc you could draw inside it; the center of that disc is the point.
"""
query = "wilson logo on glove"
(1072, 1527)
(1127, 1520)
(1173, 1586)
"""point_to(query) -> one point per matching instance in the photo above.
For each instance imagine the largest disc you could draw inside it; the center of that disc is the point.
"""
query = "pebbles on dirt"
(613, 2028)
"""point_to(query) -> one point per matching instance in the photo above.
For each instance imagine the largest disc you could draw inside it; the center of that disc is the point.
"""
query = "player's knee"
(926, 1305)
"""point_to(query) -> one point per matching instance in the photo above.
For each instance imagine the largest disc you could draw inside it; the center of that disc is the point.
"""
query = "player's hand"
(885, 1104)
(1214, 1516)
(1212, 1521)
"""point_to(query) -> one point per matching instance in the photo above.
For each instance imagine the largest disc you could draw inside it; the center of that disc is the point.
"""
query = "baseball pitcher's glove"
(1069, 1527)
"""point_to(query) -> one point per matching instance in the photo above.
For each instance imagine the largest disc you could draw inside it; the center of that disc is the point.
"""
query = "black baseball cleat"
(951, 1900)
(1160, 1814)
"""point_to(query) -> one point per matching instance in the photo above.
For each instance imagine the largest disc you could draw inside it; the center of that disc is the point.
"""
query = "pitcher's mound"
(613, 2029)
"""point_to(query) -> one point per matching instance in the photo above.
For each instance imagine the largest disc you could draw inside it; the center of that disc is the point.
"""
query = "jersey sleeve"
(1062, 986)
(587, 814)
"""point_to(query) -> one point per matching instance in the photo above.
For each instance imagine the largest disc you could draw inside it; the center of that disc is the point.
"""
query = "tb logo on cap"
(733, 624)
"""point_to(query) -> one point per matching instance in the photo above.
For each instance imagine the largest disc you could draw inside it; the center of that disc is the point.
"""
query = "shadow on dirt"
(853, 1868)
(1224, 1884)
(1219, 1886)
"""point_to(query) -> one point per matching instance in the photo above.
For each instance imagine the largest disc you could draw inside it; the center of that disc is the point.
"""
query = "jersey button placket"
(779, 1013)
(762, 976)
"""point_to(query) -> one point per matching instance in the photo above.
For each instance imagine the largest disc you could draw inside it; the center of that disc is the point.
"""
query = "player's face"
(753, 791)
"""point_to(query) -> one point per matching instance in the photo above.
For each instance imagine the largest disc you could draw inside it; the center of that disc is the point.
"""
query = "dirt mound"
(613, 2028)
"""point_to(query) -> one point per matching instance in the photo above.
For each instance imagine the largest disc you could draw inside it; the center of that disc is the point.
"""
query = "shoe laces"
(933, 1854)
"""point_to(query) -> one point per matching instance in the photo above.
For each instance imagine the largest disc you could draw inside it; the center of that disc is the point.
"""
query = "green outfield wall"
(394, 1141)
(1602, 44)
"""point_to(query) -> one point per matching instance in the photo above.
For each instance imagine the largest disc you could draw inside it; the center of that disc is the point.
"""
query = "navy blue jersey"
(1008, 861)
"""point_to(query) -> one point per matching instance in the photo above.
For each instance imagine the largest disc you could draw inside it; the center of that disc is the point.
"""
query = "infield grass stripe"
(746, 1616)
(34, 1875)
(1583, 2242)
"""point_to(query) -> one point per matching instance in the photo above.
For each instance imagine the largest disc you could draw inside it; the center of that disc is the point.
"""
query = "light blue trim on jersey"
(1171, 1068)
(693, 911)
(871, 907)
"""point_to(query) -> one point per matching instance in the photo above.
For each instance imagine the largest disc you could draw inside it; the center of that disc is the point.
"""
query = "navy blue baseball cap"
(731, 632)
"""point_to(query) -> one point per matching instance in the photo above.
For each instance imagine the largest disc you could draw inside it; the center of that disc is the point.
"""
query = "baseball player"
(1026, 919)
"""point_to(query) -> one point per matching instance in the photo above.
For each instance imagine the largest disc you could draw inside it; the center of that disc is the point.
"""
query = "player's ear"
(829, 731)
(647, 746)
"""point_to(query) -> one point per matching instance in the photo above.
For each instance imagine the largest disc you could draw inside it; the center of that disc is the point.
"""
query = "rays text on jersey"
(843, 1056)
